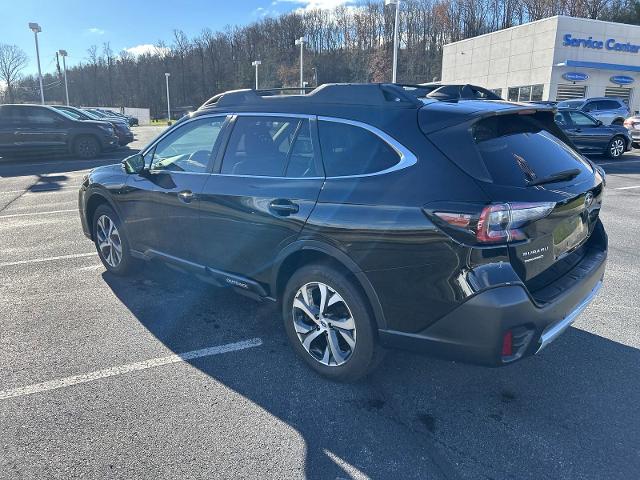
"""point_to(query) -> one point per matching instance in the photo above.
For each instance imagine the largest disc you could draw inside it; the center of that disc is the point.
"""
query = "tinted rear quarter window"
(517, 148)
(353, 150)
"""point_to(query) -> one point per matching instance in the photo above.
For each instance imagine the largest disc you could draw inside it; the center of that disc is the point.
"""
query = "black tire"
(365, 355)
(86, 147)
(616, 147)
(126, 264)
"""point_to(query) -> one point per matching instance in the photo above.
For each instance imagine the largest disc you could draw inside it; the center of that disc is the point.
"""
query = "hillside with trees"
(346, 44)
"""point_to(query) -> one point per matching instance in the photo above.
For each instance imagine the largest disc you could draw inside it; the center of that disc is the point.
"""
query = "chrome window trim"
(407, 158)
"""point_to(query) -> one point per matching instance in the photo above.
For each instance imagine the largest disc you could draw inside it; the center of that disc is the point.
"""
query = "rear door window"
(517, 149)
(10, 115)
(41, 117)
(579, 119)
(302, 161)
(260, 146)
(607, 105)
(353, 150)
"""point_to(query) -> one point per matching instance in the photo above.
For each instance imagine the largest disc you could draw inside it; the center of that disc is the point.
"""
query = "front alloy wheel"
(324, 324)
(109, 241)
(616, 147)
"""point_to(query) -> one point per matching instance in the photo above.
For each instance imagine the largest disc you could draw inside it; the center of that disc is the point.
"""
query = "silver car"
(633, 125)
(610, 111)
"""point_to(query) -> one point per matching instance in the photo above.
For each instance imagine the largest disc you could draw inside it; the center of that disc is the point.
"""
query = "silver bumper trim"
(553, 331)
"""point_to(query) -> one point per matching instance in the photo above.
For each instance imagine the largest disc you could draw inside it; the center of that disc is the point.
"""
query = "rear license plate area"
(569, 234)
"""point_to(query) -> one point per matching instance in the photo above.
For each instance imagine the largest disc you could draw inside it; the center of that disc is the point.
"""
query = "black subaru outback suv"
(467, 229)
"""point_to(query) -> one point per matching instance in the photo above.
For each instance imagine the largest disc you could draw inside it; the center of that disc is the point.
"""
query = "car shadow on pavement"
(571, 412)
(34, 165)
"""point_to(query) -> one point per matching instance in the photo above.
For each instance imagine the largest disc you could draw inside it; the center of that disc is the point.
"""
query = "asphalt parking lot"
(90, 385)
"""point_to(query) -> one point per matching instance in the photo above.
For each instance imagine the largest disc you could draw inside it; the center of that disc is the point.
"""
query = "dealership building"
(552, 59)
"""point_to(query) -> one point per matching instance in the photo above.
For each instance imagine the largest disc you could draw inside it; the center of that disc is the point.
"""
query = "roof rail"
(371, 94)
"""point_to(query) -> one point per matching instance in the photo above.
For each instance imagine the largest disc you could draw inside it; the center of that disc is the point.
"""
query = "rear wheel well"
(92, 204)
(304, 257)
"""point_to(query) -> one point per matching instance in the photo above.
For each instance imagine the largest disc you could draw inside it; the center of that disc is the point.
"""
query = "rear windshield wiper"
(556, 177)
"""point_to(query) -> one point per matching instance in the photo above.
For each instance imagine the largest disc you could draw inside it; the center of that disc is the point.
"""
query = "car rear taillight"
(491, 224)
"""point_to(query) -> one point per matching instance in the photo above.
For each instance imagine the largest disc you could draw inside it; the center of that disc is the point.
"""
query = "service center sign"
(609, 44)
(575, 76)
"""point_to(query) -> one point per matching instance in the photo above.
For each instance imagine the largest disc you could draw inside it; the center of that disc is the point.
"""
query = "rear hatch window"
(511, 150)
(517, 149)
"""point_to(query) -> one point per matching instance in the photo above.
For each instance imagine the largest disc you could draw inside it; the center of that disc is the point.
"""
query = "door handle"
(186, 196)
(283, 207)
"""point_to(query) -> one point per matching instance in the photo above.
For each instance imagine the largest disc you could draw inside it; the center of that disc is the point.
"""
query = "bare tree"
(12, 61)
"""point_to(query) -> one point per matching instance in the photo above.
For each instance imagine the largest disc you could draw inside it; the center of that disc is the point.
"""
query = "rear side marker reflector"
(507, 344)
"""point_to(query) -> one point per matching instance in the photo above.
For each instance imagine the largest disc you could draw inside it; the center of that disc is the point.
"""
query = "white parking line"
(47, 259)
(627, 188)
(130, 367)
(38, 213)
(619, 162)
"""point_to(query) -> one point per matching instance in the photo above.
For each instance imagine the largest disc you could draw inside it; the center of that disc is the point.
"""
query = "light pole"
(300, 41)
(63, 54)
(166, 76)
(395, 36)
(255, 64)
(35, 28)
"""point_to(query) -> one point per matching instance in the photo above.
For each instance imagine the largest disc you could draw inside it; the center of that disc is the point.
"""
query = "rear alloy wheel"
(616, 147)
(111, 242)
(86, 147)
(329, 325)
(324, 323)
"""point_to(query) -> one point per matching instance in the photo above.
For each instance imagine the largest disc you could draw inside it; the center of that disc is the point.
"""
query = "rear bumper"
(125, 138)
(110, 142)
(474, 331)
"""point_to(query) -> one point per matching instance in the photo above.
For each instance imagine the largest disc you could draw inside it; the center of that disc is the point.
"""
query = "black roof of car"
(367, 101)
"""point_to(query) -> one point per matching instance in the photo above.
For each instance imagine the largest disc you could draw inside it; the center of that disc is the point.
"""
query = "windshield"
(68, 114)
(96, 114)
(90, 114)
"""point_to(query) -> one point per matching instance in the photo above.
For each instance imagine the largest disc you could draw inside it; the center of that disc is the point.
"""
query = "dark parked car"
(124, 133)
(131, 121)
(464, 229)
(592, 136)
(28, 129)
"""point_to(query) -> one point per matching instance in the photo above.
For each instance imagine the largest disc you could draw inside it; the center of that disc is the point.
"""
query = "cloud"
(95, 31)
(146, 49)
(316, 4)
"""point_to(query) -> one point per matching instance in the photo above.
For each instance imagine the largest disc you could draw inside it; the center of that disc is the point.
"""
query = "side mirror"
(133, 164)
(599, 123)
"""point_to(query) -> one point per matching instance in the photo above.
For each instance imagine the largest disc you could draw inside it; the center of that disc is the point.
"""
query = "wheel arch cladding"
(304, 253)
(95, 200)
